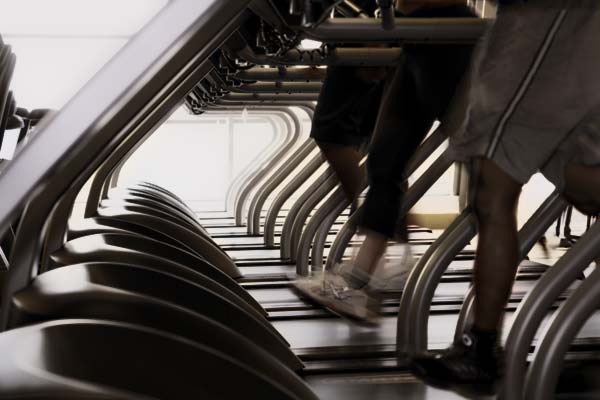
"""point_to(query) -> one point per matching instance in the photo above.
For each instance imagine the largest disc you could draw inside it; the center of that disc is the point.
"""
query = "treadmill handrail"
(534, 308)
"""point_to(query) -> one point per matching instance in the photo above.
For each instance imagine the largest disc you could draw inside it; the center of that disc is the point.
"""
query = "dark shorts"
(347, 108)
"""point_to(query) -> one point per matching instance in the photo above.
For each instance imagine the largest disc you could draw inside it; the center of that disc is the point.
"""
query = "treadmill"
(340, 374)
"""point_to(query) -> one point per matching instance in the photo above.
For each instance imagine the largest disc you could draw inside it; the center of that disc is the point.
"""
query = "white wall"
(61, 44)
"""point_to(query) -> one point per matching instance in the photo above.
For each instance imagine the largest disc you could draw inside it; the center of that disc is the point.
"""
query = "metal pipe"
(282, 74)
(544, 371)
(405, 30)
(260, 97)
(282, 171)
(534, 308)
(291, 139)
(362, 56)
(269, 232)
(278, 87)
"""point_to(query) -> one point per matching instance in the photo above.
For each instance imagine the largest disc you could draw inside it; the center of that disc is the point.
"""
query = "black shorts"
(347, 108)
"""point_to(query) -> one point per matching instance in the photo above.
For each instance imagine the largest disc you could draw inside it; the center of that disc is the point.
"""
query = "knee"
(586, 204)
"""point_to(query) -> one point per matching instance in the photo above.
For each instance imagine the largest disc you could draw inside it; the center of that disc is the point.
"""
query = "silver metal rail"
(311, 167)
(234, 189)
(290, 140)
(294, 221)
(534, 308)
(284, 171)
(547, 365)
(278, 87)
(406, 30)
(282, 74)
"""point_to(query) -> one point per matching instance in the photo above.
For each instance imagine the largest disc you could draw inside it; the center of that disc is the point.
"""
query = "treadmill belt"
(375, 386)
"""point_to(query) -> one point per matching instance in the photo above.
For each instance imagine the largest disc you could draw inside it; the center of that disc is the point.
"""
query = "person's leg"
(345, 161)
(401, 126)
(496, 261)
(474, 360)
(582, 187)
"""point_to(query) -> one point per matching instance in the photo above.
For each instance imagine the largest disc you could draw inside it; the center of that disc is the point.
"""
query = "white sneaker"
(391, 276)
(332, 291)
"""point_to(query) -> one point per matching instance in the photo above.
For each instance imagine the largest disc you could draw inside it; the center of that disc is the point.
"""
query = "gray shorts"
(531, 100)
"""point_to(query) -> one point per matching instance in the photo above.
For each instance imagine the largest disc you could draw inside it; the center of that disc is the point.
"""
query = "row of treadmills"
(142, 297)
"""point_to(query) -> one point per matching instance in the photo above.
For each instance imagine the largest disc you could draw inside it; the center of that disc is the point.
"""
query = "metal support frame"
(362, 56)
(285, 170)
(278, 87)
(269, 177)
(264, 97)
(294, 221)
(290, 140)
(254, 168)
(116, 101)
(534, 308)
(284, 195)
(547, 365)
(282, 74)
(406, 30)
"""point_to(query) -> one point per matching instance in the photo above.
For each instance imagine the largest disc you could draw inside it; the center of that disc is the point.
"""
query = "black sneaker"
(462, 368)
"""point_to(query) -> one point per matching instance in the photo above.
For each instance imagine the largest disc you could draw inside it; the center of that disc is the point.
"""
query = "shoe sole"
(464, 389)
(326, 303)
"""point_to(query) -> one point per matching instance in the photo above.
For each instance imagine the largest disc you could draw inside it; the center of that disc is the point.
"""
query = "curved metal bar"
(270, 103)
(534, 308)
(317, 253)
(544, 371)
(431, 273)
(362, 56)
(406, 30)
(256, 165)
(323, 216)
(278, 87)
(300, 223)
(404, 326)
(253, 166)
(267, 97)
(282, 74)
(268, 185)
(291, 139)
(269, 231)
(529, 234)
(285, 169)
(294, 222)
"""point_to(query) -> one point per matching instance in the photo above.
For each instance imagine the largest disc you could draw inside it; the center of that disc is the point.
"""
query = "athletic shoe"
(333, 292)
(391, 276)
(461, 368)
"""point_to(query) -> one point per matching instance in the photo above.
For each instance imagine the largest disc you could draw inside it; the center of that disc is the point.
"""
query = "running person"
(533, 105)
(415, 96)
